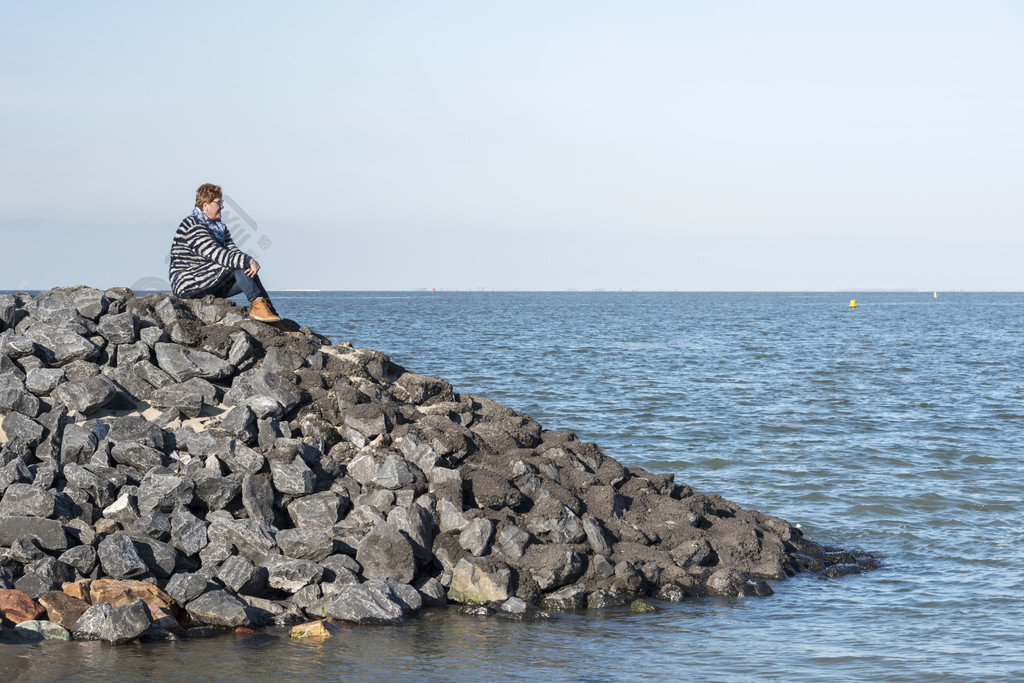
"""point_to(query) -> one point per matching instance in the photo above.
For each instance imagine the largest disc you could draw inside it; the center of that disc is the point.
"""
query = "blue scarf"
(217, 228)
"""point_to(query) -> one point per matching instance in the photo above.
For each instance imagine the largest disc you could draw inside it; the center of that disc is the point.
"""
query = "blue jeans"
(239, 284)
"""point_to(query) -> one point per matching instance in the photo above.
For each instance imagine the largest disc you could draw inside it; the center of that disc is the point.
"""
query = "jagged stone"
(48, 532)
(15, 397)
(357, 603)
(258, 497)
(385, 553)
(317, 511)
(220, 608)
(293, 478)
(17, 607)
(26, 499)
(240, 423)
(242, 576)
(418, 526)
(292, 575)
(99, 490)
(60, 345)
(182, 363)
(86, 395)
(565, 599)
(119, 558)
(160, 558)
(188, 532)
(213, 490)
(476, 537)
(114, 625)
(42, 381)
(185, 587)
(253, 539)
(82, 558)
(78, 444)
(122, 328)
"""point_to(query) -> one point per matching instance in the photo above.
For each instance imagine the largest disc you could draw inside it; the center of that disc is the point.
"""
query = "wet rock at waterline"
(167, 466)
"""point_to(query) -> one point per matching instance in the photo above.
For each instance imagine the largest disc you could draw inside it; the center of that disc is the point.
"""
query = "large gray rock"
(26, 499)
(476, 538)
(15, 397)
(305, 544)
(292, 575)
(220, 608)
(16, 346)
(78, 444)
(122, 328)
(23, 428)
(48, 532)
(213, 490)
(86, 395)
(188, 532)
(358, 604)
(293, 478)
(185, 587)
(553, 565)
(253, 539)
(60, 346)
(160, 558)
(258, 497)
(164, 490)
(267, 384)
(187, 401)
(182, 363)
(386, 553)
(42, 381)
(116, 626)
(119, 558)
(317, 511)
(240, 423)
(100, 490)
(136, 429)
(417, 524)
(242, 576)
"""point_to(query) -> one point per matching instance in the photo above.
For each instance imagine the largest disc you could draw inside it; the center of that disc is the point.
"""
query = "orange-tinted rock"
(119, 593)
(16, 607)
(62, 608)
(244, 631)
(320, 629)
(79, 589)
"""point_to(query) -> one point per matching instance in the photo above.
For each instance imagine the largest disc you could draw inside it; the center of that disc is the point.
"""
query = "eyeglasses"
(219, 202)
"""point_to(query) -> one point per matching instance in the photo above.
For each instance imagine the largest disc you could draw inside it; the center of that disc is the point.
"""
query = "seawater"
(894, 427)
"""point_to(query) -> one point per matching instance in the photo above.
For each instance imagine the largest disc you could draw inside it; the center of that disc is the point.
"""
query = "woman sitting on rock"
(205, 260)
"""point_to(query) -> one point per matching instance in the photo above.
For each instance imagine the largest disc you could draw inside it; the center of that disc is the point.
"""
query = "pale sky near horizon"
(520, 146)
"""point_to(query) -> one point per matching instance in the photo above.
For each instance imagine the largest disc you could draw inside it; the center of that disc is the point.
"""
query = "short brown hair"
(207, 192)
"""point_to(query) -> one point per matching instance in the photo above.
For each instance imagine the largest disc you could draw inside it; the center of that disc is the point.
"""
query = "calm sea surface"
(895, 427)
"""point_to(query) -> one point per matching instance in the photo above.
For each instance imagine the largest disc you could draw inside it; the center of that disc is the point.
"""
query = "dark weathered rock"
(305, 544)
(214, 491)
(78, 444)
(182, 363)
(82, 558)
(86, 395)
(114, 625)
(220, 608)
(119, 558)
(163, 489)
(356, 603)
(258, 497)
(100, 490)
(60, 345)
(253, 539)
(25, 499)
(15, 397)
(188, 532)
(42, 381)
(317, 511)
(185, 587)
(48, 532)
(160, 558)
(292, 575)
(23, 428)
(240, 423)
(294, 478)
(386, 553)
(122, 328)
(242, 576)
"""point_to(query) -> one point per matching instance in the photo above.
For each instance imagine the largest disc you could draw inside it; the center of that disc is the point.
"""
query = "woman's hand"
(253, 268)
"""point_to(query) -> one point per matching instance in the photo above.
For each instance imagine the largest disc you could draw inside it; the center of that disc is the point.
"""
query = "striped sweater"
(199, 262)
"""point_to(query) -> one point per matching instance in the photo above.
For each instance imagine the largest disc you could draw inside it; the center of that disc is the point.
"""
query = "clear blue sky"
(523, 145)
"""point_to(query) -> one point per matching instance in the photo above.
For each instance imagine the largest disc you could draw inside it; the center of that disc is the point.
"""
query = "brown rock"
(79, 589)
(63, 609)
(16, 607)
(119, 593)
(319, 630)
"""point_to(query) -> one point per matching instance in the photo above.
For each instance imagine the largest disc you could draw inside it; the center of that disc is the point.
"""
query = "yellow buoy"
(935, 295)
(853, 303)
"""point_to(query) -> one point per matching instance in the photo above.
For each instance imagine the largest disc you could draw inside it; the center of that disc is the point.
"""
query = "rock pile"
(169, 464)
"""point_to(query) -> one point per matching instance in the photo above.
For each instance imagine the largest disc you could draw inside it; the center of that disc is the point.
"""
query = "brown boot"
(261, 311)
